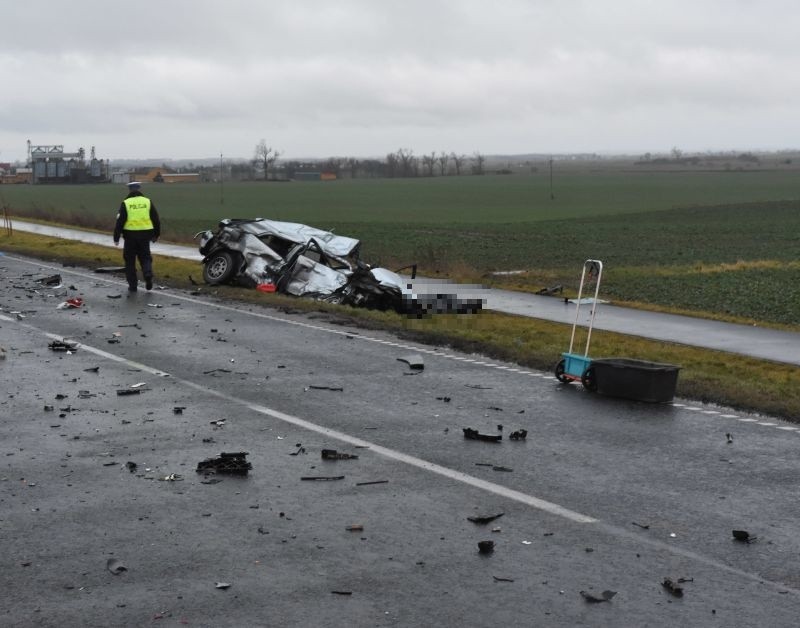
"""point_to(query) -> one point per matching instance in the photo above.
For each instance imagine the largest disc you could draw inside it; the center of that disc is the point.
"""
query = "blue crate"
(575, 365)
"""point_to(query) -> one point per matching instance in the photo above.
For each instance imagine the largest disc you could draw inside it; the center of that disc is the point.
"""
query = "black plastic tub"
(633, 379)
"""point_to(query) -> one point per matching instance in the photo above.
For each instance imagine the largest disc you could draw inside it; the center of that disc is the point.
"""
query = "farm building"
(162, 174)
(51, 164)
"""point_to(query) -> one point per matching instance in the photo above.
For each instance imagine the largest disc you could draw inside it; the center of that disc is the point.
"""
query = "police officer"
(138, 223)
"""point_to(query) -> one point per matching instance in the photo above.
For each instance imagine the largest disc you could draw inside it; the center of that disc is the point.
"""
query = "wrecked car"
(304, 261)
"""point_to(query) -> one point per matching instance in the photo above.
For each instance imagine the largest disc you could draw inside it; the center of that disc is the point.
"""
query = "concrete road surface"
(105, 521)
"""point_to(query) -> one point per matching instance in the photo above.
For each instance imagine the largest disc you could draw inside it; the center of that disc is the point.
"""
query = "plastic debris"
(473, 434)
(485, 547)
(605, 596)
(672, 587)
(63, 345)
(743, 536)
(71, 304)
(234, 463)
(483, 520)
(222, 585)
(332, 454)
(356, 527)
(414, 362)
(115, 566)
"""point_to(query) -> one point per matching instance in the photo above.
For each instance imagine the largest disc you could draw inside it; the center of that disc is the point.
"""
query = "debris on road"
(501, 579)
(743, 536)
(332, 454)
(303, 261)
(500, 468)
(518, 435)
(53, 281)
(473, 434)
(178, 409)
(222, 585)
(128, 391)
(485, 547)
(605, 596)
(321, 478)
(372, 482)
(483, 520)
(643, 526)
(729, 438)
(63, 345)
(356, 527)
(234, 463)
(115, 566)
(70, 304)
(316, 387)
(414, 362)
(672, 587)
(131, 466)
(342, 592)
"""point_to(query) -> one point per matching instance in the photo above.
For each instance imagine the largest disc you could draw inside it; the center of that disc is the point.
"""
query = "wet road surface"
(757, 342)
(603, 494)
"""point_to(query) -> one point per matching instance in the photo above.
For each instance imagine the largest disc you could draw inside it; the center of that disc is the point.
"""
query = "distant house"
(174, 177)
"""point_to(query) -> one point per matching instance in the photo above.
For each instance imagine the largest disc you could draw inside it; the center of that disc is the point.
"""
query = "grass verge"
(708, 376)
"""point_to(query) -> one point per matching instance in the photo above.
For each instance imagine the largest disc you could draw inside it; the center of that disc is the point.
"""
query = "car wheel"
(219, 268)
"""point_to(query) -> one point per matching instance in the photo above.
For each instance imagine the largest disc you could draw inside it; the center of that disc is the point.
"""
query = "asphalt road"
(758, 342)
(603, 494)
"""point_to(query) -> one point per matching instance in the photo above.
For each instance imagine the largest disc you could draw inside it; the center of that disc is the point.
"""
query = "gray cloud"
(191, 79)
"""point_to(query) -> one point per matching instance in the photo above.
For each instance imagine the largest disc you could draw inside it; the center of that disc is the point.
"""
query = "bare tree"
(428, 162)
(458, 162)
(477, 163)
(265, 156)
(408, 163)
(442, 160)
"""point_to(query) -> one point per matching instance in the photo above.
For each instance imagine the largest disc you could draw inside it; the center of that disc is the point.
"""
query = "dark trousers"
(133, 249)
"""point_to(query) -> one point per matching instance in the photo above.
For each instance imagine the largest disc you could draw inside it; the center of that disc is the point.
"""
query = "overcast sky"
(196, 78)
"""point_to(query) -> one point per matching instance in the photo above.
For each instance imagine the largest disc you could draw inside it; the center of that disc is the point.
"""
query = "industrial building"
(50, 164)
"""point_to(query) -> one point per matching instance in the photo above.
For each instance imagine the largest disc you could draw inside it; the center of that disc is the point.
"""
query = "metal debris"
(63, 345)
(518, 435)
(321, 478)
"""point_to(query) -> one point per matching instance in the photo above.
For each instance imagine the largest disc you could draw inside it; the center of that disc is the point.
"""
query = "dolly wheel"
(588, 379)
(560, 376)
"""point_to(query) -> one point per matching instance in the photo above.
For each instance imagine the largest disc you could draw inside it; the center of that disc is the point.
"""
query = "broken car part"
(232, 463)
(332, 454)
(473, 434)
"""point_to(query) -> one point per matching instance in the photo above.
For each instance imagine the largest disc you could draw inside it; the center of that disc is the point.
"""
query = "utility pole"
(221, 178)
(552, 196)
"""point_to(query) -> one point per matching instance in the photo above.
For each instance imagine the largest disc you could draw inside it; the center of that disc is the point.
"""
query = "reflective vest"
(138, 210)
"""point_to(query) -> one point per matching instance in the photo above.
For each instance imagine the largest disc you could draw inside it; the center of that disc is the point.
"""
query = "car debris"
(332, 454)
(473, 434)
(233, 463)
(321, 478)
(128, 391)
(74, 303)
(672, 587)
(63, 345)
(605, 596)
(501, 579)
(484, 519)
(415, 362)
(115, 566)
(222, 585)
(304, 261)
(518, 435)
(372, 482)
(317, 387)
(485, 547)
(356, 527)
(743, 536)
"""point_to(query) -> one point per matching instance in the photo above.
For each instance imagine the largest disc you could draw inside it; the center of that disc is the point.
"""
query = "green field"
(722, 242)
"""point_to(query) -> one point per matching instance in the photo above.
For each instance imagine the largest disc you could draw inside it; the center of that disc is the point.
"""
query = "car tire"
(219, 268)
